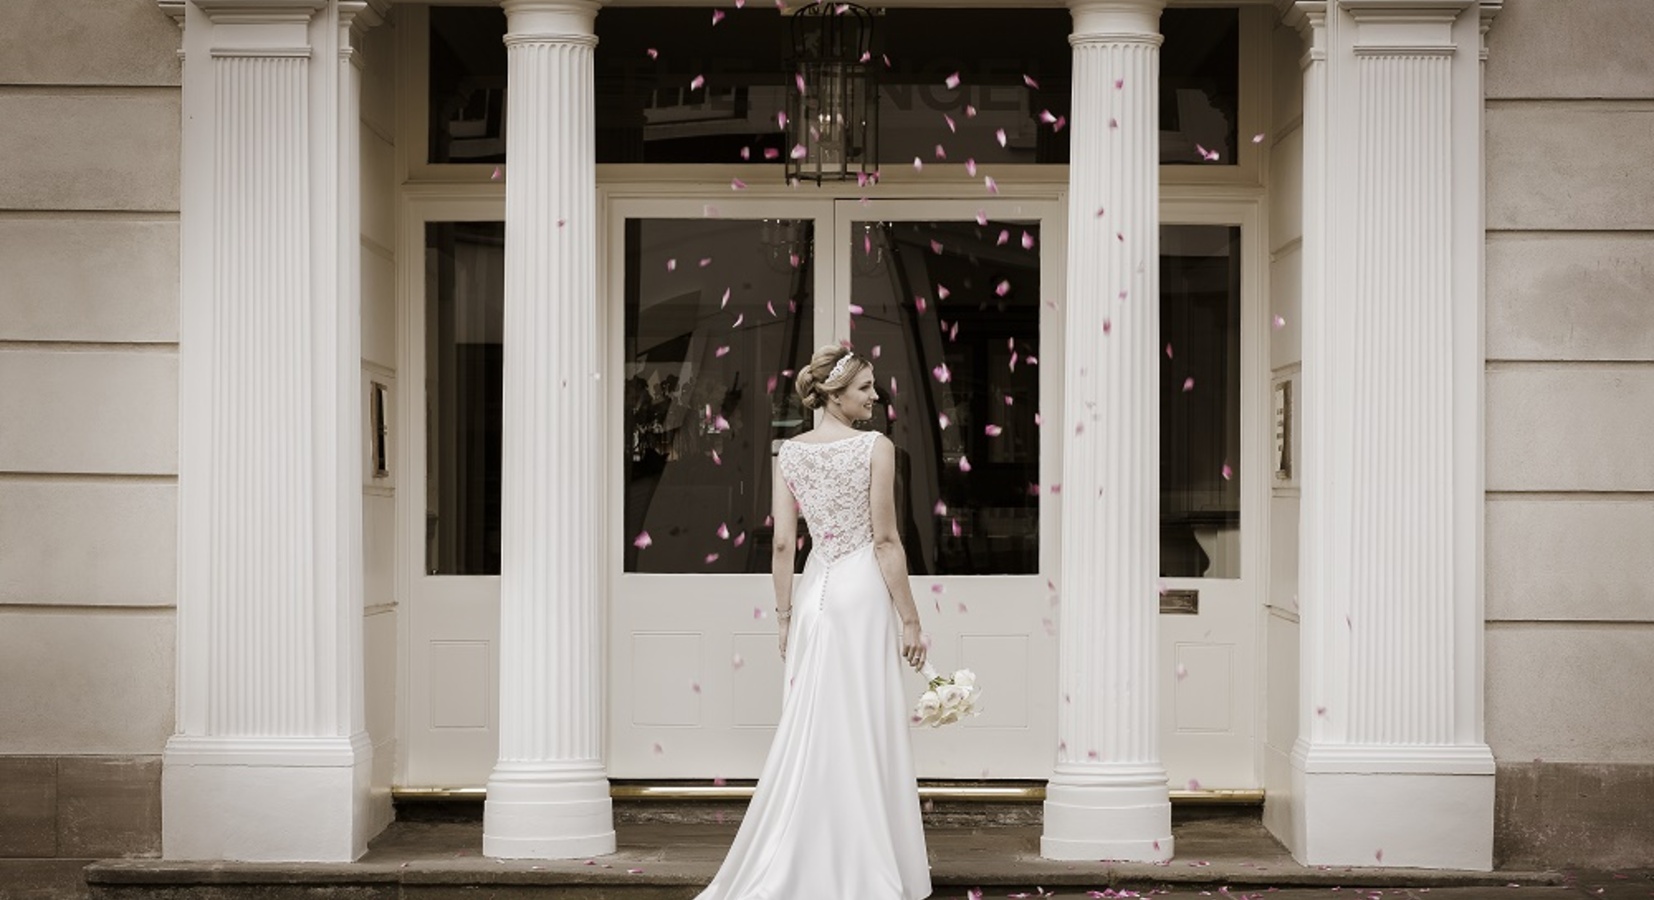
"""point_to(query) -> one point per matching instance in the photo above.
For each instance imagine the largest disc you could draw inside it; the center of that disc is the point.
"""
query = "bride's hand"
(913, 645)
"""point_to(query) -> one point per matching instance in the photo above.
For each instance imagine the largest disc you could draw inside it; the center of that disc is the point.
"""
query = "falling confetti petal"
(497, 173)
(982, 217)
(643, 540)
(717, 16)
(736, 661)
(952, 126)
(1228, 472)
(740, 539)
(1029, 80)
(1004, 237)
(705, 261)
(1182, 672)
(1002, 288)
(721, 351)
(1048, 117)
(964, 463)
(970, 111)
(659, 748)
(999, 135)
(1194, 784)
(653, 53)
(1027, 241)
(942, 421)
(919, 303)
(942, 292)
(992, 430)
(940, 508)
(918, 164)
(1108, 326)
(1257, 138)
(723, 530)
(952, 81)
(936, 247)
(1119, 83)
(725, 301)
(1279, 322)
(798, 81)
(1188, 384)
(1168, 351)
(697, 82)
(941, 152)
(993, 186)
(736, 184)
(970, 167)
(711, 558)
(942, 374)
(957, 533)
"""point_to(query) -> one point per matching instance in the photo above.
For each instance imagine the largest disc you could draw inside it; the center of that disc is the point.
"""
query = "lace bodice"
(830, 481)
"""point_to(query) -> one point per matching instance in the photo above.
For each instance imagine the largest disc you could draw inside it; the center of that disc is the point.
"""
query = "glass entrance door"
(950, 300)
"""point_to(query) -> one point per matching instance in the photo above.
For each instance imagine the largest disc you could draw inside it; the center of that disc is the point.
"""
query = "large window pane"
(718, 313)
(464, 316)
(1200, 383)
(949, 312)
(467, 85)
(1014, 65)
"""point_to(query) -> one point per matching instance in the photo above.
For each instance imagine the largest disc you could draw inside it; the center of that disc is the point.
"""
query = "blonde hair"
(814, 386)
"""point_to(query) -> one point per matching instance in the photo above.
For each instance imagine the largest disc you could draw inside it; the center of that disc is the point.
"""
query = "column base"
(547, 811)
(1099, 813)
(1393, 805)
(260, 799)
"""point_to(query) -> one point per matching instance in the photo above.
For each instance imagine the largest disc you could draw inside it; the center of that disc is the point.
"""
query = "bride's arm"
(887, 547)
(784, 546)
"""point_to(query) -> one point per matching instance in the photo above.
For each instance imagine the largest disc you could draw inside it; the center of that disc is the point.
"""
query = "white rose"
(965, 678)
(951, 695)
(929, 703)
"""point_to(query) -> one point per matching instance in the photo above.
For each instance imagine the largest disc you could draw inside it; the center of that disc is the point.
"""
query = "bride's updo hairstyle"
(816, 381)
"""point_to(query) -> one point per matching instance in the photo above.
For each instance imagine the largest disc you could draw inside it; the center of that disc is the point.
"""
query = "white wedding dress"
(835, 814)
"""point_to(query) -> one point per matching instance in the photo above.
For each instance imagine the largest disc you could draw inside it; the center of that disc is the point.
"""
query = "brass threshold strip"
(953, 792)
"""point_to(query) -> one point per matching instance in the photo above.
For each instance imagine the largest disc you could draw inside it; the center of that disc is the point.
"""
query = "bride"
(835, 813)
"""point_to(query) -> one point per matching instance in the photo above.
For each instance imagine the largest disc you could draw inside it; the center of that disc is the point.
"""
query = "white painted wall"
(88, 375)
(1570, 383)
(1280, 613)
(378, 266)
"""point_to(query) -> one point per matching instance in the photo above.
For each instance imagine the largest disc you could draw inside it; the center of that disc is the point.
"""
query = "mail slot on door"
(1180, 603)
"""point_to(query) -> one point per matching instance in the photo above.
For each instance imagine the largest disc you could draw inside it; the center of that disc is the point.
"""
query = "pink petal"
(942, 374)
(970, 167)
(711, 558)
(642, 540)
(1188, 384)
(956, 533)
(1029, 80)
(1027, 241)
(981, 217)
(875, 352)
(1002, 288)
(740, 539)
(940, 508)
(942, 421)
(653, 53)
(855, 310)
(798, 80)
(964, 463)
(1004, 237)
(721, 351)
(941, 153)
(937, 588)
(993, 187)
(770, 305)
(769, 384)
(993, 430)
(1257, 138)
(717, 16)
(970, 111)
(1228, 472)
(1278, 322)
(952, 126)
(942, 292)
(999, 135)
(1168, 351)
(724, 301)
(781, 120)
(1194, 784)
(936, 247)
(498, 173)
(1108, 326)
(918, 164)
(1119, 83)
(697, 82)
(736, 184)
(672, 265)
(706, 261)
(952, 81)
(1182, 672)
(736, 662)
(659, 748)
(723, 530)
(919, 303)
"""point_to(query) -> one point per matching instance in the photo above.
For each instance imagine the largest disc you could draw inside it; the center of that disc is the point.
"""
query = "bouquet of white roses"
(946, 699)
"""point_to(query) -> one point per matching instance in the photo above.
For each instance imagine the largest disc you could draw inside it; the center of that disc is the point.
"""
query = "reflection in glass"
(1200, 383)
(1014, 65)
(718, 314)
(949, 312)
(464, 316)
(467, 85)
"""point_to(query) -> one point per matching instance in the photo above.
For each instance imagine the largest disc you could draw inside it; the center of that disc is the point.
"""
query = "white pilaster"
(1108, 797)
(1390, 767)
(548, 796)
(271, 759)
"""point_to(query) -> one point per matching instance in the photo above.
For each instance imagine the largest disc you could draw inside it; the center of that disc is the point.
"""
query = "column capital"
(1405, 27)
(259, 12)
(550, 20)
(1116, 20)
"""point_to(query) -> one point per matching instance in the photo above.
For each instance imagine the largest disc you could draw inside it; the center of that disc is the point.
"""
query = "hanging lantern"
(833, 102)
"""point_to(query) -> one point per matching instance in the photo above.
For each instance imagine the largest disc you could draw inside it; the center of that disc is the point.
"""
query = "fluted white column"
(271, 759)
(1108, 797)
(548, 796)
(1390, 577)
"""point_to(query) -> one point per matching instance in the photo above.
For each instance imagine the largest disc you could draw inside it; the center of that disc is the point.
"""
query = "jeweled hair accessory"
(840, 366)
